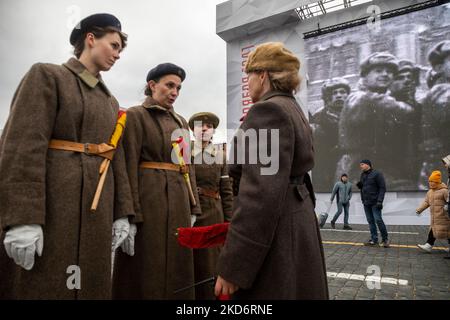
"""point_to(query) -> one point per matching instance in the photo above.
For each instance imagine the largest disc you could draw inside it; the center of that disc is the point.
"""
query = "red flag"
(203, 237)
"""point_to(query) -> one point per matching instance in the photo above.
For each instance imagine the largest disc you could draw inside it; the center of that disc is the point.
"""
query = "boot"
(425, 247)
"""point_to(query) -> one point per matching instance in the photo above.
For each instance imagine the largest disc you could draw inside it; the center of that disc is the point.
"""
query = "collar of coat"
(274, 93)
(211, 149)
(88, 78)
(439, 187)
(267, 96)
(151, 104)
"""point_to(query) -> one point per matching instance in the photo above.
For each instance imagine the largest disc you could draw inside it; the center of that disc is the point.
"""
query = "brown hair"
(285, 81)
(98, 33)
(147, 90)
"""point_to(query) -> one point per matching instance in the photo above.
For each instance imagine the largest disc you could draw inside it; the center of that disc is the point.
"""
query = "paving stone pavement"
(357, 272)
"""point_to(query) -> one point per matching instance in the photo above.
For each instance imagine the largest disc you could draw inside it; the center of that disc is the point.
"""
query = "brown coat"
(211, 173)
(161, 202)
(55, 188)
(273, 248)
(440, 222)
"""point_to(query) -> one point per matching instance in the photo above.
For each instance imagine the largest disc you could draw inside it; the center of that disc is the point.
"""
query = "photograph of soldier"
(436, 110)
(396, 116)
(324, 123)
(373, 124)
(214, 191)
(403, 88)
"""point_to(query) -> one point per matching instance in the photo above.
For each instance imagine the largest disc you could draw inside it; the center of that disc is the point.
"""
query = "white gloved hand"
(446, 207)
(120, 231)
(193, 219)
(128, 244)
(22, 242)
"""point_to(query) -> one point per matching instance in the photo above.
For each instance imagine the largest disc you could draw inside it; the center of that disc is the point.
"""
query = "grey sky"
(182, 32)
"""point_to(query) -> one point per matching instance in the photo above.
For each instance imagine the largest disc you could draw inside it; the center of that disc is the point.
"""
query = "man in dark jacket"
(373, 188)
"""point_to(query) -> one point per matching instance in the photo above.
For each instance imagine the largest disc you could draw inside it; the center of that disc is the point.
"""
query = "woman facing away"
(273, 249)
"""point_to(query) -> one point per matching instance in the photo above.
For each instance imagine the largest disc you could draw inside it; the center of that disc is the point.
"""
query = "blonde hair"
(285, 81)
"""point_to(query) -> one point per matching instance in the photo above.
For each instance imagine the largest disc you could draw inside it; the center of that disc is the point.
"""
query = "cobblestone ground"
(357, 272)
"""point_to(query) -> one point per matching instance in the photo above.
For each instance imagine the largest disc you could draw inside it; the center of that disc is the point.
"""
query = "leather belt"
(297, 179)
(208, 193)
(102, 150)
(164, 166)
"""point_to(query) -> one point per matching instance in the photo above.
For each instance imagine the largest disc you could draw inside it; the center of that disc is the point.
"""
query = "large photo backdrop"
(381, 94)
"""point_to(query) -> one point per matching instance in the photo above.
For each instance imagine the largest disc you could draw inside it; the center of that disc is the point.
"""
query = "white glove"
(22, 242)
(193, 219)
(120, 231)
(446, 207)
(128, 244)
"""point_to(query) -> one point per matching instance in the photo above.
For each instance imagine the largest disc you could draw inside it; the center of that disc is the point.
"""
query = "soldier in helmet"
(403, 88)
(404, 85)
(215, 194)
(435, 126)
(439, 58)
(436, 109)
(373, 124)
(325, 131)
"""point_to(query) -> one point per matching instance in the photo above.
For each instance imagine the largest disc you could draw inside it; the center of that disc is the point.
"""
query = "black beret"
(101, 20)
(164, 69)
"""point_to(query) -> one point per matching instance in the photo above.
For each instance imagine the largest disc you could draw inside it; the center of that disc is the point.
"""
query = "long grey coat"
(55, 188)
(273, 248)
(161, 202)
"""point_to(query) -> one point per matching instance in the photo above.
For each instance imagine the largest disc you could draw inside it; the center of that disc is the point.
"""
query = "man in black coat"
(373, 188)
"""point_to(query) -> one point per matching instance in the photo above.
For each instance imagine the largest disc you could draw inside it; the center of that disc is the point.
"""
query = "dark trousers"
(432, 239)
(374, 218)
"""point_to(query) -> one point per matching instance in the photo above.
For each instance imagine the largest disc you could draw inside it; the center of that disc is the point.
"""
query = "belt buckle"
(183, 169)
(86, 149)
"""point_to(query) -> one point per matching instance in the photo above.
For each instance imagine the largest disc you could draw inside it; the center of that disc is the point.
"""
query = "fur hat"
(272, 56)
(407, 65)
(435, 177)
(331, 84)
(438, 53)
(379, 59)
